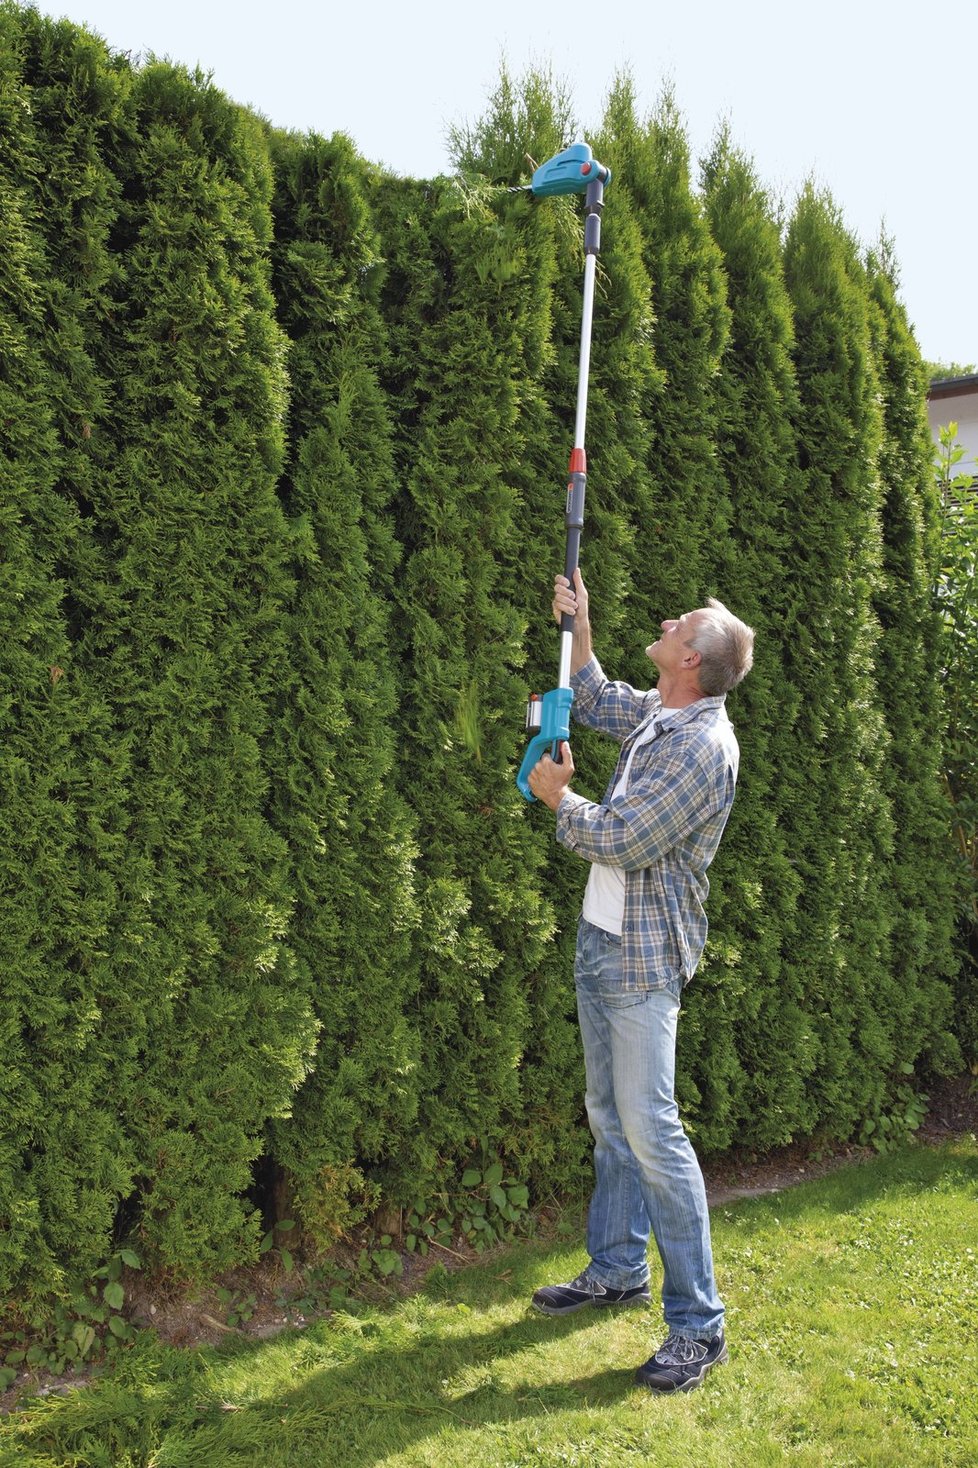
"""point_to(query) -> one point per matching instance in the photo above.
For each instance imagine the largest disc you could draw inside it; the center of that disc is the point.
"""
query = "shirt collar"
(678, 717)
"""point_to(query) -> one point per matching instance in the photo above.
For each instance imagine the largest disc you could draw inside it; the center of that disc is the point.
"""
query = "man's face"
(669, 650)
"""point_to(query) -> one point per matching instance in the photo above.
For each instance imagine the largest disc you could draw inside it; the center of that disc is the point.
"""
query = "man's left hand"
(550, 782)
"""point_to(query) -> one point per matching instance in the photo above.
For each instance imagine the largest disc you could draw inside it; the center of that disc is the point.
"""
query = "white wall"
(961, 409)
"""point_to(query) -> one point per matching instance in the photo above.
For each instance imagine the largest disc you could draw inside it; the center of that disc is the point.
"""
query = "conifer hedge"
(466, 345)
(61, 1168)
(755, 881)
(284, 443)
(331, 742)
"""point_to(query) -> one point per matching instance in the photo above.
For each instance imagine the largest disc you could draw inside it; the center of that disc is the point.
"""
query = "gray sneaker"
(680, 1363)
(583, 1291)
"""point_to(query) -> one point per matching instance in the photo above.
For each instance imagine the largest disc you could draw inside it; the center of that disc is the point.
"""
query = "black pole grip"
(592, 218)
(574, 522)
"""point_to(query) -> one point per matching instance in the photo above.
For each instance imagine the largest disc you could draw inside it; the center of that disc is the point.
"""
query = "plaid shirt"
(665, 830)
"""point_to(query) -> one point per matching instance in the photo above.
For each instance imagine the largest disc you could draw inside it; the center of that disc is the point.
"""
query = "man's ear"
(693, 657)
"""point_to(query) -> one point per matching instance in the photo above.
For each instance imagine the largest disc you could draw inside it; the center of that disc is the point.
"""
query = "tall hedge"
(840, 825)
(67, 1160)
(755, 574)
(165, 367)
(284, 446)
(189, 646)
(332, 746)
(467, 316)
(688, 514)
(525, 123)
(922, 958)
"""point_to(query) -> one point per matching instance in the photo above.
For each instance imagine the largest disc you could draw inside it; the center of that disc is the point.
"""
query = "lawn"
(852, 1307)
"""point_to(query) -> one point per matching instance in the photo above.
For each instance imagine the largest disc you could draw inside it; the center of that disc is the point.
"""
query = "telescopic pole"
(573, 171)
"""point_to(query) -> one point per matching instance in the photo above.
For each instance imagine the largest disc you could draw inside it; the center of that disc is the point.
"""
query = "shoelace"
(679, 1350)
(585, 1282)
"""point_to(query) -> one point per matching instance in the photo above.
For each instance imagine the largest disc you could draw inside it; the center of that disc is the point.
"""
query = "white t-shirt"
(604, 895)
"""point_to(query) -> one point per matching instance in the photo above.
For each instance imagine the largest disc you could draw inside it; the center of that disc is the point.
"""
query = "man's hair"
(726, 648)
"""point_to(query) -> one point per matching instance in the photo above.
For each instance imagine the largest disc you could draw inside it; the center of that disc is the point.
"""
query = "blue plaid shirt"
(665, 830)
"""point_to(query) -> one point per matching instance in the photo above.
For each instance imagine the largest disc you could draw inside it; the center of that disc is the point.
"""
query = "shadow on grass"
(360, 1412)
(401, 1375)
(355, 1413)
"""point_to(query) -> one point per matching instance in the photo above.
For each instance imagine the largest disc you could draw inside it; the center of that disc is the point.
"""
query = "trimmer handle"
(555, 708)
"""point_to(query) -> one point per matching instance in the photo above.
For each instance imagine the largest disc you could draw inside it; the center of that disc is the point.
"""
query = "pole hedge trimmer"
(573, 171)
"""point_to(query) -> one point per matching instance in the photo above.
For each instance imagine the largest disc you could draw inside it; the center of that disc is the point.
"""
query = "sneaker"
(680, 1363)
(582, 1291)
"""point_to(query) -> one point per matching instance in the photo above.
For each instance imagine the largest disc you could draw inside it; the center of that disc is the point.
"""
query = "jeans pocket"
(613, 996)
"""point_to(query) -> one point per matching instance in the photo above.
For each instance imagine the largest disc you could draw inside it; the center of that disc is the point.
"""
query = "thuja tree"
(183, 640)
(467, 313)
(755, 403)
(67, 1160)
(689, 328)
(956, 599)
(36, 758)
(624, 380)
(688, 518)
(622, 401)
(907, 657)
(36, 764)
(833, 803)
(333, 742)
(525, 124)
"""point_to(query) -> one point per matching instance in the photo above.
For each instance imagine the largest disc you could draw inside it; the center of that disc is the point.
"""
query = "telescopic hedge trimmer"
(573, 171)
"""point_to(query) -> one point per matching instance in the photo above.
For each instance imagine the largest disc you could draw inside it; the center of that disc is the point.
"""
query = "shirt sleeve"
(666, 802)
(614, 708)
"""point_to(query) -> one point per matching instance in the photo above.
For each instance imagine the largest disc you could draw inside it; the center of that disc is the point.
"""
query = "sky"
(873, 100)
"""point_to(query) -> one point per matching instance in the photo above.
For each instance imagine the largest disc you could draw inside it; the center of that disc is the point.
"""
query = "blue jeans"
(647, 1178)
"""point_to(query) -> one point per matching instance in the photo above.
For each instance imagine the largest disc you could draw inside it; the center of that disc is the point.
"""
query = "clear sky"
(873, 98)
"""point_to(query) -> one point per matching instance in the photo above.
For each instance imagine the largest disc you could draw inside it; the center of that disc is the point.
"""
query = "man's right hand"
(572, 599)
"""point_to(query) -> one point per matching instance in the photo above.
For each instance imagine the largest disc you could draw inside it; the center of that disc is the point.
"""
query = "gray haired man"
(641, 935)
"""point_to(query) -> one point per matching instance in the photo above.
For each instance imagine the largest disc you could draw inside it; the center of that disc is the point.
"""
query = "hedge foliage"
(284, 440)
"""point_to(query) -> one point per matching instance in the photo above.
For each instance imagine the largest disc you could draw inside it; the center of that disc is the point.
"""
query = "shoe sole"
(597, 1304)
(685, 1386)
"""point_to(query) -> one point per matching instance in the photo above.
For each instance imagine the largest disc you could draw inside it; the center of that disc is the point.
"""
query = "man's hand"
(574, 599)
(550, 782)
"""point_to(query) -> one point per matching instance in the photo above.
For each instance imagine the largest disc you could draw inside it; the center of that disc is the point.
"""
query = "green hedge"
(284, 445)
(331, 743)
(761, 995)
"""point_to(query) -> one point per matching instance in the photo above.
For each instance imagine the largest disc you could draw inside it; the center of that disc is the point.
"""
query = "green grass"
(852, 1321)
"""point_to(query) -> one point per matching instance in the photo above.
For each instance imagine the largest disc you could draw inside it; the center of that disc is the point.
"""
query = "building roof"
(953, 387)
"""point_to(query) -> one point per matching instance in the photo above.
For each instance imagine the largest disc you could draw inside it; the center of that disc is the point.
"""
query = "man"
(640, 938)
